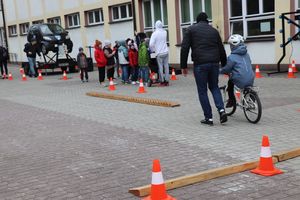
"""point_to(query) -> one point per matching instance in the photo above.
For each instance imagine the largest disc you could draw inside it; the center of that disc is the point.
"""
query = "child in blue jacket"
(238, 67)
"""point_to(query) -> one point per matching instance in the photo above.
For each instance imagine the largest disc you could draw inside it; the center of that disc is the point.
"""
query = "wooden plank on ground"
(199, 177)
(154, 102)
(285, 155)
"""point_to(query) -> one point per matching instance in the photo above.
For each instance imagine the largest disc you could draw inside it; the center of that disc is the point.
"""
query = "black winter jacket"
(31, 50)
(206, 45)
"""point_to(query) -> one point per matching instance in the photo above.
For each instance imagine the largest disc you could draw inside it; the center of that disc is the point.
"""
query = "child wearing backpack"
(144, 58)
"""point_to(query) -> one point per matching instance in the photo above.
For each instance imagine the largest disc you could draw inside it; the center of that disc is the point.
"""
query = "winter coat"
(239, 66)
(31, 50)
(109, 56)
(3, 54)
(158, 40)
(206, 45)
(82, 61)
(123, 53)
(143, 55)
(133, 57)
(99, 57)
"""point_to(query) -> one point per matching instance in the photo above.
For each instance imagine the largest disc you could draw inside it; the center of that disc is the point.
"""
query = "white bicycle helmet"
(235, 39)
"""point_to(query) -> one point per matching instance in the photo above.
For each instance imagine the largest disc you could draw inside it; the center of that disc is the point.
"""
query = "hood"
(158, 25)
(240, 50)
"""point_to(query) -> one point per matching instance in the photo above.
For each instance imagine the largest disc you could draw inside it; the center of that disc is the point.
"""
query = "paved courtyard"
(57, 143)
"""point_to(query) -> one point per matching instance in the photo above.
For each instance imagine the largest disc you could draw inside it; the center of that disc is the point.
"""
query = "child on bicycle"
(238, 67)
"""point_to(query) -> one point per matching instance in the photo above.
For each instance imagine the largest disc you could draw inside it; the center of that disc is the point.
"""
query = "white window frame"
(152, 14)
(184, 25)
(94, 17)
(54, 20)
(73, 17)
(119, 11)
(12, 30)
(245, 18)
(24, 27)
(38, 21)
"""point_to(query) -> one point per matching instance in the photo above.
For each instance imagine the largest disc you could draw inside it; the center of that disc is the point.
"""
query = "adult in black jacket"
(3, 61)
(207, 52)
(31, 49)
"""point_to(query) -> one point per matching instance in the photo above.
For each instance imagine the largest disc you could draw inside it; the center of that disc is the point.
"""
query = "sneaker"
(87, 80)
(133, 82)
(82, 81)
(223, 116)
(207, 121)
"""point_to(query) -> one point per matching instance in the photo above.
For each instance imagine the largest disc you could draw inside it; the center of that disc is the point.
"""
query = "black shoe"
(223, 117)
(207, 121)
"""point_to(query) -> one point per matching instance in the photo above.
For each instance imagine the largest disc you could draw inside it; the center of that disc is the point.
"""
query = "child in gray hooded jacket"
(238, 67)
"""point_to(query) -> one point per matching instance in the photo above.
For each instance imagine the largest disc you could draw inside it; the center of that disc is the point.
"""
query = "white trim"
(157, 178)
(265, 152)
(119, 11)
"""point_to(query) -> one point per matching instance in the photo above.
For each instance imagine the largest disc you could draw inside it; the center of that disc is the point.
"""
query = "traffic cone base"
(111, 85)
(173, 77)
(266, 166)
(141, 87)
(10, 77)
(40, 77)
(24, 77)
(290, 72)
(257, 72)
(167, 198)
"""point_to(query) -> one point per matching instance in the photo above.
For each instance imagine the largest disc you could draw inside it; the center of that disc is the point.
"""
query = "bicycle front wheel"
(252, 107)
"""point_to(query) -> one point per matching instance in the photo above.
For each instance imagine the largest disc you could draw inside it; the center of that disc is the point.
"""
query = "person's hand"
(184, 72)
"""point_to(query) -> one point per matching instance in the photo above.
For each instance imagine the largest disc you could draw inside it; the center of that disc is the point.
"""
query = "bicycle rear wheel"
(252, 107)
(231, 110)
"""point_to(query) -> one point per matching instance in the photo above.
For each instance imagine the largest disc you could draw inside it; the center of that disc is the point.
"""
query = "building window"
(94, 17)
(191, 8)
(154, 10)
(252, 19)
(12, 30)
(121, 12)
(38, 22)
(24, 28)
(54, 20)
(73, 20)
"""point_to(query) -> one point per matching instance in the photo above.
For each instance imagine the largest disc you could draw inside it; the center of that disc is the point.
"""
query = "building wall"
(23, 11)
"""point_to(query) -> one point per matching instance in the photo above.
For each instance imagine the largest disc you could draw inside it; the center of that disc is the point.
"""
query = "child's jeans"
(144, 71)
(125, 73)
(134, 73)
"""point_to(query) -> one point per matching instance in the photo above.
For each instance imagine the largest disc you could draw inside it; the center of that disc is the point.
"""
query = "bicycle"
(248, 100)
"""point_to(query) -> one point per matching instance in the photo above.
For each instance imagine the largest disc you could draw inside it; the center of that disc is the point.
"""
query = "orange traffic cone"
(158, 188)
(266, 167)
(173, 77)
(294, 67)
(111, 85)
(290, 73)
(40, 77)
(10, 76)
(24, 77)
(152, 76)
(65, 76)
(21, 71)
(141, 88)
(257, 72)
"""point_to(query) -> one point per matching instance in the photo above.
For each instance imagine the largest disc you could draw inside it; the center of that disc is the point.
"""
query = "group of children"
(132, 58)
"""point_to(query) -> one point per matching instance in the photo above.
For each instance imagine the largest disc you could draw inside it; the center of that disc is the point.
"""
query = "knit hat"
(80, 49)
(107, 42)
(202, 17)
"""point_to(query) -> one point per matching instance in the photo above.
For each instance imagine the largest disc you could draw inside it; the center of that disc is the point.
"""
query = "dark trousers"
(207, 75)
(83, 71)
(110, 73)
(230, 90)
(3, 64)
(101, 74)
(134, 73)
